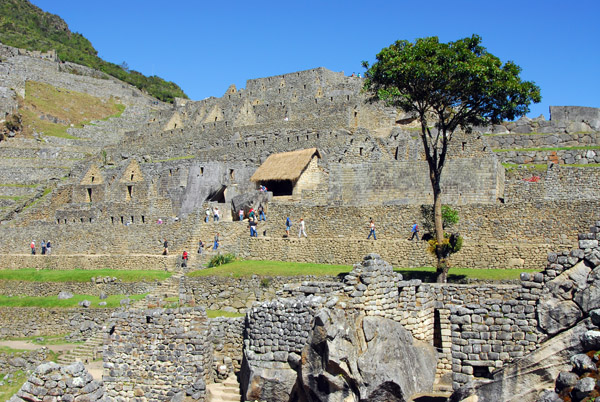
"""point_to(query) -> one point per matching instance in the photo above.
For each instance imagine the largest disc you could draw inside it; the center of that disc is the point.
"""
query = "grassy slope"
(79, 275)
(69, 107)
(26, 26)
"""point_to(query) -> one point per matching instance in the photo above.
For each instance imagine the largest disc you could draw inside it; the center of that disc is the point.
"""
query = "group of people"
(216, 214)
(414, 230)
(46, 247)
(301, 227)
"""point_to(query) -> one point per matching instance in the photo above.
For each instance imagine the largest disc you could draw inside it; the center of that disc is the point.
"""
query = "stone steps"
(226, 391)
(90, 350)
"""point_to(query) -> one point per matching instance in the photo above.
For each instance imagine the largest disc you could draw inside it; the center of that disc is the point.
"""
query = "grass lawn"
(222, 313)
(7, 390)
(79, 275)
(246, 268)
(52, 301)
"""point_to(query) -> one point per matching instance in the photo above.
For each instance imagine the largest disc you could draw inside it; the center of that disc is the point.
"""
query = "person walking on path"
(207, 213)
(32, 246)
(261, 213)
(165, 247)
(216, 242)
(252, 224)
(302, 229)
(288, 225)
(184, 259)
(415, 231)
(241, 214)
(43, 247)
(216, 214)
(200, 246)
(48, 248)
(372, 231)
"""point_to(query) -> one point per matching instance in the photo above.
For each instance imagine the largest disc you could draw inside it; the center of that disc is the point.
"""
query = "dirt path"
(94, 368)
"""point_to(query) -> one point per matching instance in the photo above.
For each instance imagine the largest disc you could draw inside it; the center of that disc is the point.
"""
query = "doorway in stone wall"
(279, 187)
(218, 195)
(89, 194)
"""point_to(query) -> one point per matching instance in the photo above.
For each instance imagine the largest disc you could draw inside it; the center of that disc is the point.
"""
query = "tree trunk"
(442, 261)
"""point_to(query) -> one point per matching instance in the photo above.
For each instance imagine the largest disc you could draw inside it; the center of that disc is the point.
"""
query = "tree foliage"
(25, 26)
(449, 86)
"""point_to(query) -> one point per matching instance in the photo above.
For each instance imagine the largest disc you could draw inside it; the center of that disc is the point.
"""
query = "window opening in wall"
(112, 220)
(81, 220)
(396, 154)
(297, 139)
(129, 191)
(355, 114)
(263, 142)
(92, 179)
(143, 219)
(331, 98)
(90, 220)
(463, 145)
(246, 144)
(288, 139)
(231, 173)
(254, 143)
(347, 97)
(202, 170)
(482, 372)
(170, 172)
(307, 136)
(58, 221)
(437, 331)
(360, 151)
(131, 176)
(316, 100)
(317, 135)
(122, 221)
(149, 320)
(65, 221)
(89, 194)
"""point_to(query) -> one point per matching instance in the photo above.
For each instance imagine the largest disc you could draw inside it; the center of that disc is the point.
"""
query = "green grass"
(542, 167)
(49, 339)
(177, 158)
(79, 275)
(10, 197)
(587, 147)
(8, 390)
(19, 185)
(52, 301)
(222, 313)
(247, 268)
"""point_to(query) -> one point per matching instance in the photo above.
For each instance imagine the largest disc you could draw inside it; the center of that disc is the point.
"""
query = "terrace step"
(226, 391)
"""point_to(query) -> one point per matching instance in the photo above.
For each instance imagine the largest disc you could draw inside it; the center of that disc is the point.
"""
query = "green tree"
(449, 86)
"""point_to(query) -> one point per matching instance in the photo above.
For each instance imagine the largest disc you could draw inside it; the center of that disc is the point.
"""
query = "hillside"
(26, 26)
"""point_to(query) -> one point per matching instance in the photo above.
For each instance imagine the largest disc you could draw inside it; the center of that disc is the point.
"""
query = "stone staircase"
(87, 352)
(226, 391)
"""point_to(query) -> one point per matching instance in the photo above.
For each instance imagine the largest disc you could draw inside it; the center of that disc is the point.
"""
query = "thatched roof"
(284, 166)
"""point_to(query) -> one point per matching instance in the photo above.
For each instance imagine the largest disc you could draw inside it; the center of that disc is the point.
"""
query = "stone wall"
(158, 354)
(227, 337)
(40, 289)
(233, 294)
(19, 322)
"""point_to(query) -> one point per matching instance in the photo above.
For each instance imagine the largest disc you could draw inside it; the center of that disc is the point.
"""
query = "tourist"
(288, 225)
(301, 230)
(216, 242)
(48, 248)
(43, 247)
(200, 246)
(251, 214)
(165, 247)
(216, 214)
(241, 214)
(252, 225)
(32, 246)
(261, 213)
(372, 231)
(207, 212)
(415, 231)
(184, 258)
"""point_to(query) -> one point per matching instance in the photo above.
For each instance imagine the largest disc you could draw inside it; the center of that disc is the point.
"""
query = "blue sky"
(206, 46)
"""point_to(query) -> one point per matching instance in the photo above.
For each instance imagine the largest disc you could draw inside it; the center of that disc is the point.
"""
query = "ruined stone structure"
(110, 198)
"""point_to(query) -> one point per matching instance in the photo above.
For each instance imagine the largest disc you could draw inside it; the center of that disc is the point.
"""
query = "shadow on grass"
(429, 276)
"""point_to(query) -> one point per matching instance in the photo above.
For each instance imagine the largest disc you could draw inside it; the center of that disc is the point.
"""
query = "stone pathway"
(226, 391)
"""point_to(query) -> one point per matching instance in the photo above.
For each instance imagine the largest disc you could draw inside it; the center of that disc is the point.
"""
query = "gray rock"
(582, 363)
(583, 388)
(591, 340)
(566, 379)
(368, 357)
(549, 395)
(85, 303)
(65, 295)
(555, 316)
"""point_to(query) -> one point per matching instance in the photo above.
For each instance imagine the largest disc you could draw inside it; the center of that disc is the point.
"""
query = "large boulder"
(350, 357)
(266, 381)
(526, 379)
